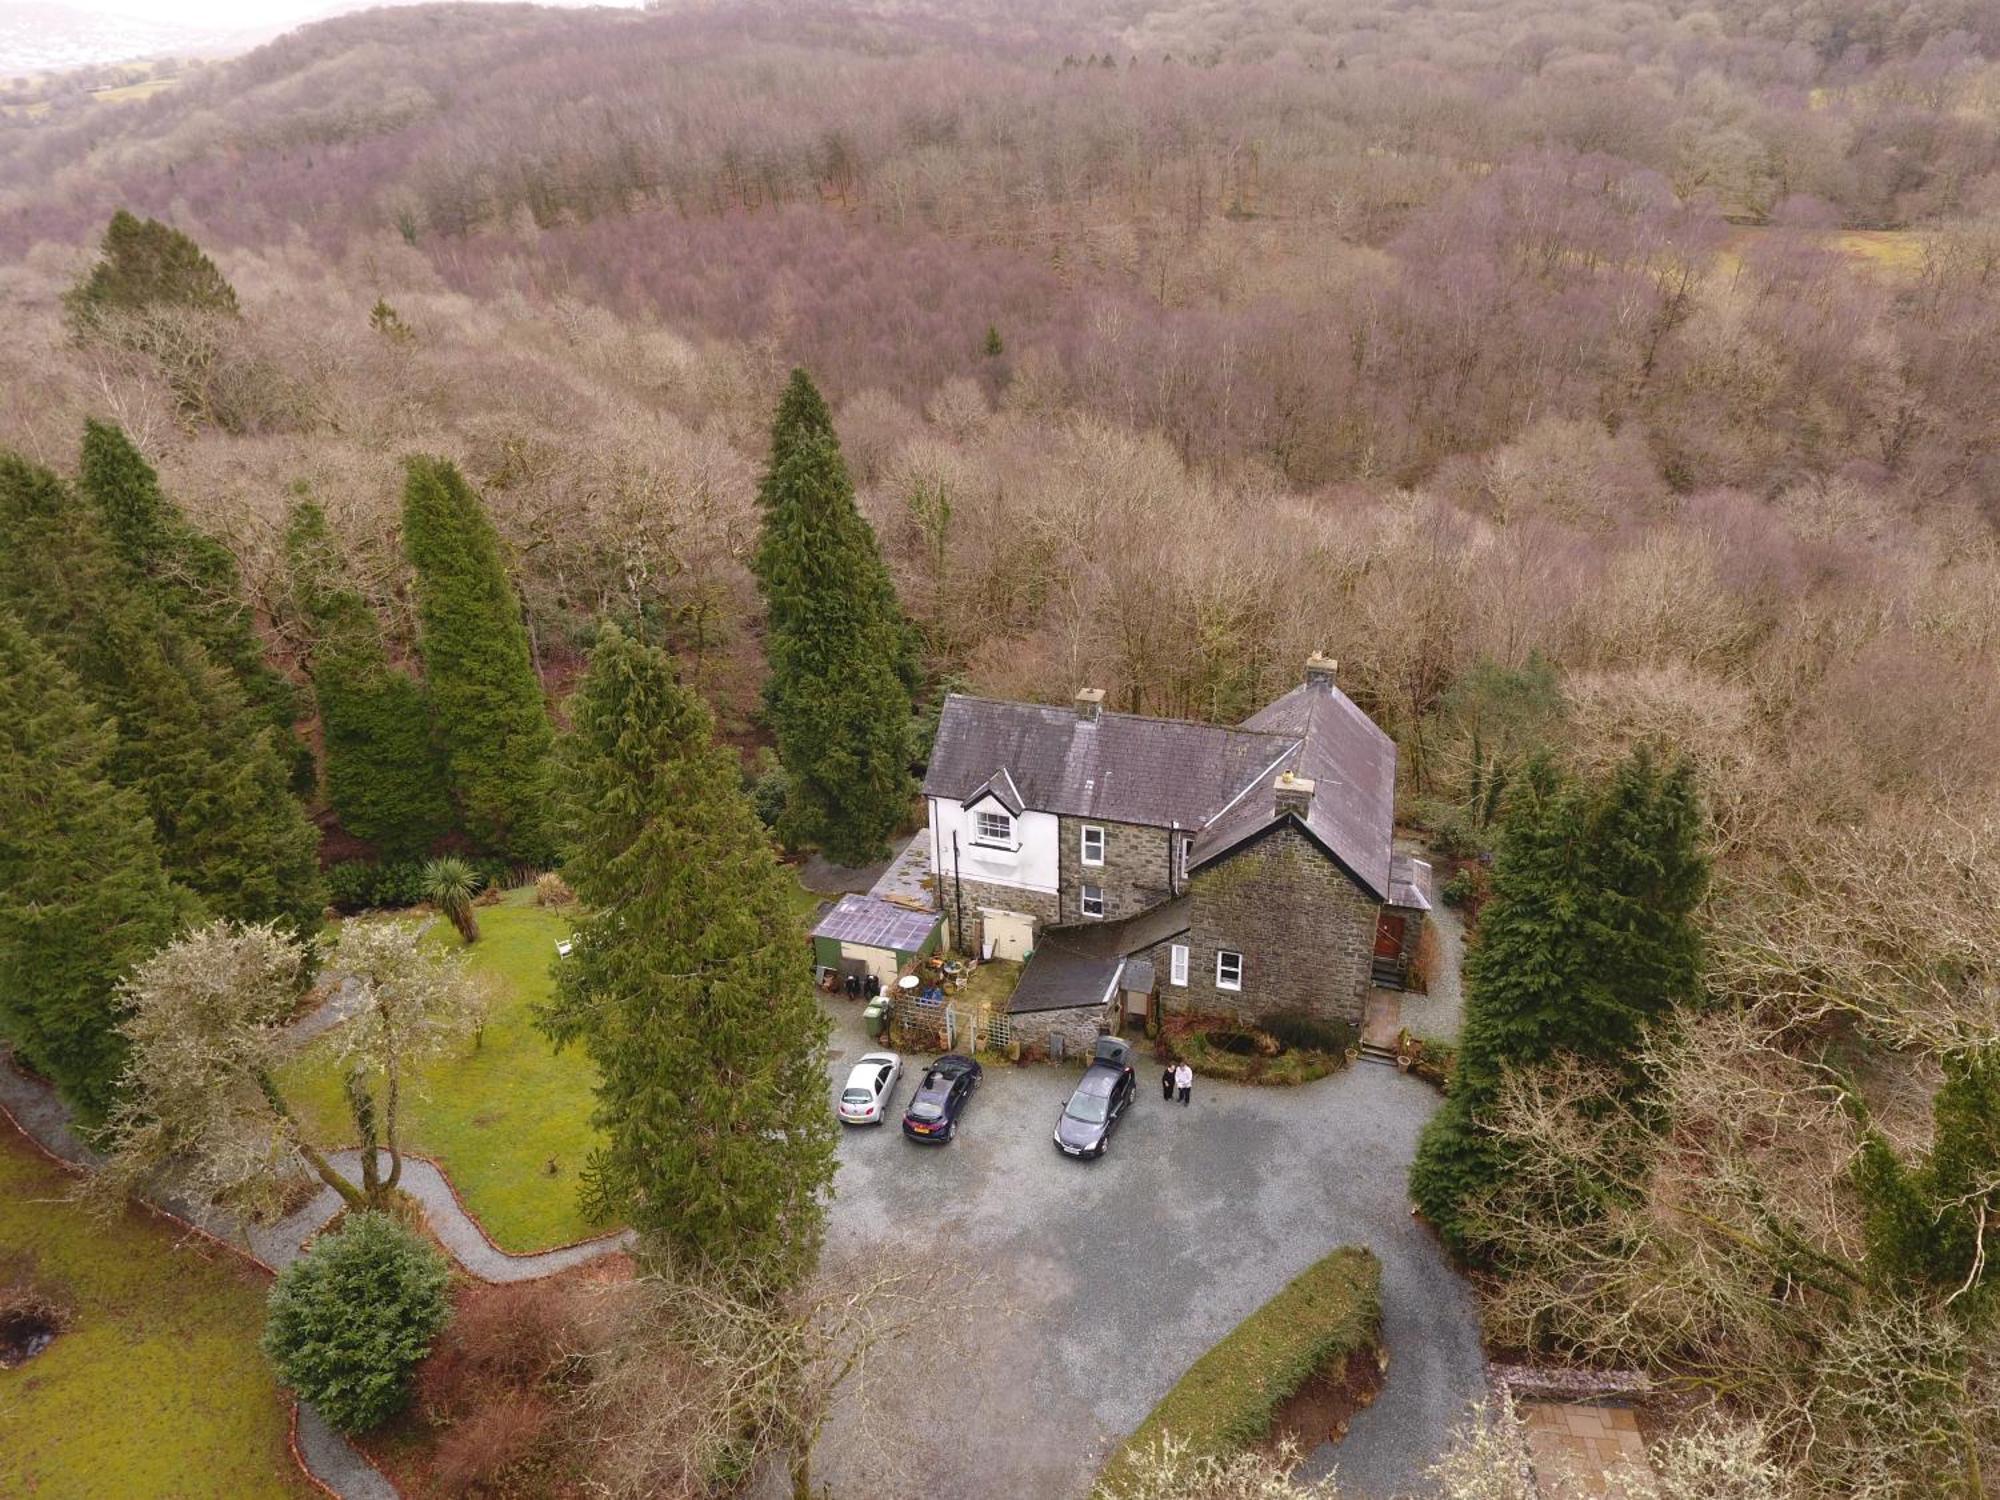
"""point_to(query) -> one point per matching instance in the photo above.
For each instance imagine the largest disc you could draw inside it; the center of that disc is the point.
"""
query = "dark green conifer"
(83, 896)
(688, 985)
(838, 704)
(205, 763)
(191, 575)
(148, 264)
(1588, 939)
(491, 716)
(384, 776)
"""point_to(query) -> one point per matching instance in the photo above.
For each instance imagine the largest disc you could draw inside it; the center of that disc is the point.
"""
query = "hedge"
(1229, 1398)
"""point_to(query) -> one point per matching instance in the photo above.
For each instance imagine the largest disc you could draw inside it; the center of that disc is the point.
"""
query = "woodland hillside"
(1580, 373)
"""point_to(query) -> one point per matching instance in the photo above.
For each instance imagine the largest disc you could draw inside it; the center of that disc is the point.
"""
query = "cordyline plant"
(201, 1110)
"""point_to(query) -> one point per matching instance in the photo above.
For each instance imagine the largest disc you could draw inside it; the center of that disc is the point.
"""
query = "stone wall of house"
(1133, 876)
(1041, 905)
(1305, 929)
(1079, 1026)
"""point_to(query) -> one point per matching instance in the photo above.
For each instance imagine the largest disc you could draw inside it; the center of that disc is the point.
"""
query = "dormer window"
(991, 827)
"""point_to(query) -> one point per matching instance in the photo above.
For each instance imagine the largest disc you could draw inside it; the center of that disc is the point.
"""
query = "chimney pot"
(1089, 704)
(1293, 794)
(1321, 671)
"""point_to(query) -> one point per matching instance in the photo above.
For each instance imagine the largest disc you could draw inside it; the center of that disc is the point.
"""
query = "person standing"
(1167, 1084)
(1184, 1081)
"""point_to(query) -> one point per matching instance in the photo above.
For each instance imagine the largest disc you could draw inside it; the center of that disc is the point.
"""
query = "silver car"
(870, 1086)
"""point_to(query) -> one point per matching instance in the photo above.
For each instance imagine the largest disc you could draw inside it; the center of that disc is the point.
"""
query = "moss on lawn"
(498, 1114)
(157, 1386)
(1229, 1398)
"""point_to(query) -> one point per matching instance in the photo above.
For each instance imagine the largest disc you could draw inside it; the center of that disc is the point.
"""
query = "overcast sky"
(231, 15)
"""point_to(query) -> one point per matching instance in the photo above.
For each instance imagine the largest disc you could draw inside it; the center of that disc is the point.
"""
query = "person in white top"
(1184, 1081)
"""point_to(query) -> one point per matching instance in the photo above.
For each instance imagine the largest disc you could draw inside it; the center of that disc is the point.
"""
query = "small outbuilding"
(863, 935)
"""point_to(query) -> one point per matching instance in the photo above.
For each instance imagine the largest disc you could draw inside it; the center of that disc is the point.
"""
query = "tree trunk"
(317, 1162)
(389, 1124)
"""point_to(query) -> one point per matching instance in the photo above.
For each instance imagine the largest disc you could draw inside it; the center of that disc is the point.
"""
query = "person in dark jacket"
(1167, 1084)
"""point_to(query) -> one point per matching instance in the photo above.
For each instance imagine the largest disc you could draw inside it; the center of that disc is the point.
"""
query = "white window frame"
(1177, 964)
(1084, 842)
(1233, 985)
(982, 834)
(1084, 898)
(1183, 846)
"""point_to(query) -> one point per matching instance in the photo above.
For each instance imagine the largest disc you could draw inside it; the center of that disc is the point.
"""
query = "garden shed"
(864, 935)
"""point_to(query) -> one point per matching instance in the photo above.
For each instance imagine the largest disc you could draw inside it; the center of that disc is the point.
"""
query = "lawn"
(157, 1386)
(497, 1116)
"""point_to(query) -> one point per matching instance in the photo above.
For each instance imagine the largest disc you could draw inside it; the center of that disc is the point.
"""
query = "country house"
(1250, 866)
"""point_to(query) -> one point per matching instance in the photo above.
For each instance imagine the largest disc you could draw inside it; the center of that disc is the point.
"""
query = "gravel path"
(338, 1006)
(1441, 1013)
(335, 1462)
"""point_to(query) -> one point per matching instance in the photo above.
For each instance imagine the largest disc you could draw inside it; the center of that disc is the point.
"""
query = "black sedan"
(940, 1098)
(1100, 1101)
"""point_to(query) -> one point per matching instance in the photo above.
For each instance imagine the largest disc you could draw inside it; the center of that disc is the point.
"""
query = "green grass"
(157, 1387)
(498, 1114)
(1294, 1065)
(1230, 1397)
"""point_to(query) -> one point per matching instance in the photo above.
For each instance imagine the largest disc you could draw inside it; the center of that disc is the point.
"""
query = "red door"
(1389, 935)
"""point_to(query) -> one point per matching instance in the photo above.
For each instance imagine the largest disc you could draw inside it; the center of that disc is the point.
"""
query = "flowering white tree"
(200, 1108)
(416, 1001)
(199, 1105)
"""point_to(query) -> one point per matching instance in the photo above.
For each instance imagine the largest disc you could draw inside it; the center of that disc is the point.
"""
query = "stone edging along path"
(330, 1461)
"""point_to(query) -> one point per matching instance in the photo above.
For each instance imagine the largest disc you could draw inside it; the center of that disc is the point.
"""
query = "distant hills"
(38, 37)
(42, 38)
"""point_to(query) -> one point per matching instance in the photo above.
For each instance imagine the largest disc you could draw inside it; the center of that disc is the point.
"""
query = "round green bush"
(351, 1318)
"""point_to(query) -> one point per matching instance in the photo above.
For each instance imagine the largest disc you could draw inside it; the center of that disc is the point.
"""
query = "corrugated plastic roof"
(877, 924)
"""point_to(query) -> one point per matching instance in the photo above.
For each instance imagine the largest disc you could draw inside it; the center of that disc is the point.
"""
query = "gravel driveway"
(1109, 1278)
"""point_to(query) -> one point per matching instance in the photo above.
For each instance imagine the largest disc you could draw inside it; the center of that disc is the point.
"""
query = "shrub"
(1467, 889)
(770, 791)
(552, 890)
(350, 1319)
(1230, 1397)
(480, 1450)
(370, 885)
(1311, 1034)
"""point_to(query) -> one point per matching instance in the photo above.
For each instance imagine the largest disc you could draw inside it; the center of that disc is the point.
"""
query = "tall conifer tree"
(192, 576)
(83, 896)
(384, 776)
(688, 985)
(206, 764)
(490, 712)
(839, 649)
(1588, 939)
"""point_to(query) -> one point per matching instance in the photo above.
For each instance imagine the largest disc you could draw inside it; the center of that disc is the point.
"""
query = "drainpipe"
(958, 890)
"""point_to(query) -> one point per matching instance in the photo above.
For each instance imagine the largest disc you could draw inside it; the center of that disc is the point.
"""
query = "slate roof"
(1217, 780)
(1125, 935)
(1123, 768)
(1352, 765)
(1061, 978)
(872, 923)
(1409, 882)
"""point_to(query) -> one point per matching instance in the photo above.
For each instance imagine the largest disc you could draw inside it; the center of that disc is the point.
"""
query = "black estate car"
(940, 1098)
(1100, 1101)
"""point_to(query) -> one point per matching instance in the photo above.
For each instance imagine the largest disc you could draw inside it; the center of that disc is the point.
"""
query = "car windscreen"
(1089, 1108)
(926, 1109)
(857, 1096)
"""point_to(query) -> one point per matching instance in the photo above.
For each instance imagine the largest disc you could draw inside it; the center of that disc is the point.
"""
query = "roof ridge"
(1112, 713)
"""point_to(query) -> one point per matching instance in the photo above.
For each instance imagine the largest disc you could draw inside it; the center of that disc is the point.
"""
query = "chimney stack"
(1089, 704)
(1294, 794)
(1321, 671)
